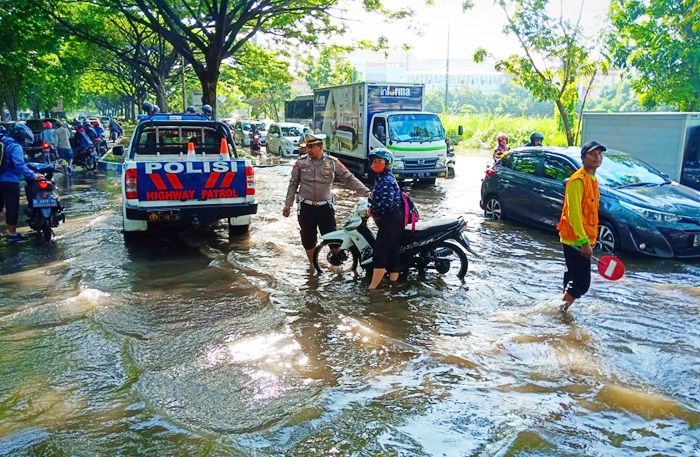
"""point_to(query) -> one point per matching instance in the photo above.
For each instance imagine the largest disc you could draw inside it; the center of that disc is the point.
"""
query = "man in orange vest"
(578, 225)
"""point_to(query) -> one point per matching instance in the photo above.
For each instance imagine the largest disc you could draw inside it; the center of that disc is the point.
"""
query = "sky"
(481, 26)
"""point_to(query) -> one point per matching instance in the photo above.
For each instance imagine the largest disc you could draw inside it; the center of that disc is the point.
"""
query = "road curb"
(110, 166)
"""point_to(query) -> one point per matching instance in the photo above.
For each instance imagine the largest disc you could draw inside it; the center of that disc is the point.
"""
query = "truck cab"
(417, 139)
(183, 169)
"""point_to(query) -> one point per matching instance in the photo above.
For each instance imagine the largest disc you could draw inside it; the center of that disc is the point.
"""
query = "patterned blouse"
(386, 194)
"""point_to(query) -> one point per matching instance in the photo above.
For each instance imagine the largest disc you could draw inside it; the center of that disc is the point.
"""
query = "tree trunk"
(208, 78)
(566, 121)
(161, 94)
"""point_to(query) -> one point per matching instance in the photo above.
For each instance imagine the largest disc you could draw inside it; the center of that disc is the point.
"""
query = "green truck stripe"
(425, 148)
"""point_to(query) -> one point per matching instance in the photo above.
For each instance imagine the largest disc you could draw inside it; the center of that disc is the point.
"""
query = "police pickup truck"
(183, 169)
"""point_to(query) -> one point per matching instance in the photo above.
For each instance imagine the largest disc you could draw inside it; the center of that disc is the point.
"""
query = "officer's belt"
(313, 203)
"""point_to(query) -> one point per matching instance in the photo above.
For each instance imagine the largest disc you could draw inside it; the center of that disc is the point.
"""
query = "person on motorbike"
(535, 139)
(98, 129)
(115, 130)
(82, 141)
(89, 131)
(48, 134)
(12, 168)
(502, 147)
(386, 206)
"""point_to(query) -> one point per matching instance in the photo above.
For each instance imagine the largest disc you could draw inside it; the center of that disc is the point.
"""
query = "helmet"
(147, 107)
(3, 131)
(382, 153)
(191, 109)
(536, 136)
(501, 135)
(155, 109)
(207, 110)
(22, 134)
(47, 125)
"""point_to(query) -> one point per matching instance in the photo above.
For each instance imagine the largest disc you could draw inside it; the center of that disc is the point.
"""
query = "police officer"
(311, 181)
(12, 168)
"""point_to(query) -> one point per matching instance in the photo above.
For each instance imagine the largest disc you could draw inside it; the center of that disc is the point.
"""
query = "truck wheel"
(450, 173)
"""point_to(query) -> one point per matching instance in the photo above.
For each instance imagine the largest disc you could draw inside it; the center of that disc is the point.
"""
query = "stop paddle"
(610, 267)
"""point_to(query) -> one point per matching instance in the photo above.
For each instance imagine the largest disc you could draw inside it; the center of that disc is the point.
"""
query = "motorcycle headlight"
(398, 164)
(441, 163)
(650, 214)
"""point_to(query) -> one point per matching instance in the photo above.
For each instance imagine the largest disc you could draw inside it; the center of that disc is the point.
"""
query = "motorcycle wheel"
(449, 258)
(90, 163)
(329, 258)
(46, 234)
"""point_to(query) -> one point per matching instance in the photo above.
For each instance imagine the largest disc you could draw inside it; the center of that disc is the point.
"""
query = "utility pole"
(184, 88)
(447, 67)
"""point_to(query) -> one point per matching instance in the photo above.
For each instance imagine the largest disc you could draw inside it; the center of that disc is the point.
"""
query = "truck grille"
(682, 242)
(412, 164)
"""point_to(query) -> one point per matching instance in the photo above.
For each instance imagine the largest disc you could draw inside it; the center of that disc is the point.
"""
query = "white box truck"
(670, 142)
(360, 117)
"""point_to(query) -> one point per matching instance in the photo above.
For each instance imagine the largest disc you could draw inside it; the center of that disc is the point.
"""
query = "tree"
(658, 43)
(555, 58)
(330, 68)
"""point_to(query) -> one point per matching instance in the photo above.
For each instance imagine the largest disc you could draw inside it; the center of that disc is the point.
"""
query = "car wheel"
(608, 240)
(493, 209)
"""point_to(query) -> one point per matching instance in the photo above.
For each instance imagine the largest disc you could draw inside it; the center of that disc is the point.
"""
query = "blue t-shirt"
(386, 194)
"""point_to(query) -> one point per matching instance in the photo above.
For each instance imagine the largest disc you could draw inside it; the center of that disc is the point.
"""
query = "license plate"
(696, 240)
(45, 202)
(164, 216)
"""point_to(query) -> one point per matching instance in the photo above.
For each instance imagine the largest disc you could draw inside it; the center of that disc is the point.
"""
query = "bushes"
(480, 130)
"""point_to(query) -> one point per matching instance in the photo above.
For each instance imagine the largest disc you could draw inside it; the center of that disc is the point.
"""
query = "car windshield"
(260, 127)
(622, 170)
(290, 131)
(36, 125)
(415, 127)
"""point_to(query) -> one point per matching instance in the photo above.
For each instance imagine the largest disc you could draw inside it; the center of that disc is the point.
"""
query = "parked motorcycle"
(86, 157)
(438, 245)
(44, 211)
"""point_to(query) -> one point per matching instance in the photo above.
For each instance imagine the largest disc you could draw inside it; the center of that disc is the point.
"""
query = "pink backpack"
(410, 212)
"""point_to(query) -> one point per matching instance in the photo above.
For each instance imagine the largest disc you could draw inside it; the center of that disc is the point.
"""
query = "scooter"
(86, 157)
(44, 211)
(438, 245)
(255, 143)
(100, 146)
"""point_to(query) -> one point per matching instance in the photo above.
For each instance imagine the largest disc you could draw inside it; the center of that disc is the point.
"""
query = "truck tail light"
(130, 183)
(250, 181)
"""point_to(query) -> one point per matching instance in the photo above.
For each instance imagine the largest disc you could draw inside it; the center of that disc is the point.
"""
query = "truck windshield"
(415, 127)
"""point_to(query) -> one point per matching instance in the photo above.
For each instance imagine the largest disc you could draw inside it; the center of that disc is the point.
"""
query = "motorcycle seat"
(40, 167)
(434, 226)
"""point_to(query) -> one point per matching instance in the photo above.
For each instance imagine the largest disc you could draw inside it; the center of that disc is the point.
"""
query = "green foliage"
(555, 57)
(480, 131)
(658, 42)
(510, 101)
(329, 68)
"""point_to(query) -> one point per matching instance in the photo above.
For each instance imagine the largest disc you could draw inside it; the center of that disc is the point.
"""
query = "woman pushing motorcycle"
(386, 206)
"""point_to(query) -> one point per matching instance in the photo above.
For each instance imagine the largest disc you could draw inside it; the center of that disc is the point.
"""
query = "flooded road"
(208, 346)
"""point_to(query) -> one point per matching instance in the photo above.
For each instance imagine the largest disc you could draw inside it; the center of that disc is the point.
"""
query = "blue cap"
(591, 146)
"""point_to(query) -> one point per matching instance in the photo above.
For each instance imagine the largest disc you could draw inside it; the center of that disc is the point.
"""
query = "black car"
(34, 151)
(641, 210)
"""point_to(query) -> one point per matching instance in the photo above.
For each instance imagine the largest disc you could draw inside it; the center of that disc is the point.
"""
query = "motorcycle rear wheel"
(449, 258)
(90, 163)
(329, 258)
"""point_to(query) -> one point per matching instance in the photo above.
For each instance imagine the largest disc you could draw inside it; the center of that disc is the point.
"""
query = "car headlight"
(398, 164)
(441, 163)
(650, 214)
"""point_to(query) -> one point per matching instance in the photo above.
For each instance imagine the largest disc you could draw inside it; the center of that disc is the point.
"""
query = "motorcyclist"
(89, 131)
(502, 147)
(535, 139)
(115, 130)
(98, 129)
(82, 141)
(12, 169)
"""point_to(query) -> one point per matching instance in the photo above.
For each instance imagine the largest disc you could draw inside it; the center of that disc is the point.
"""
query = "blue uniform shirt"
(386, 194)
(14, 162)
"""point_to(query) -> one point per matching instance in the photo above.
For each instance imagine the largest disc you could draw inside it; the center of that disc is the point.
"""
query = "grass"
(480, 130)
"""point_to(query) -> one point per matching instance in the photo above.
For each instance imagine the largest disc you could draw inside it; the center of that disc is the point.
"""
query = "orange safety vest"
(589, 208)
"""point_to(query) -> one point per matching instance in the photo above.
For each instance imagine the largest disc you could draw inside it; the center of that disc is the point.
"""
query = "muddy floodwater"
(194, 344)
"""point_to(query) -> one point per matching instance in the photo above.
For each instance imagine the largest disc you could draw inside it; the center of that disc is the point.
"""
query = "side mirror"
(460, 130)
(118, 151)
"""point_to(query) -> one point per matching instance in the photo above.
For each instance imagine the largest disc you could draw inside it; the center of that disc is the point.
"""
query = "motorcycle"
(44, 211)
(86, 157)
(438, 245)
(100, 146)
(255, 144)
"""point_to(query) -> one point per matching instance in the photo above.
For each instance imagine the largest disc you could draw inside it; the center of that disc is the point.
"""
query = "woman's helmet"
(501, 135)
(47, 125)
(536, 136)
(382, 153)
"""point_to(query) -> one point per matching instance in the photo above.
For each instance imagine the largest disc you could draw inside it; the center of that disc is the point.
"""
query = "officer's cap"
(313, 138)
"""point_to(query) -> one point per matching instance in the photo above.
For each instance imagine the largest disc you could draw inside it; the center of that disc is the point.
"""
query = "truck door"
(690, 169)
(378, 134)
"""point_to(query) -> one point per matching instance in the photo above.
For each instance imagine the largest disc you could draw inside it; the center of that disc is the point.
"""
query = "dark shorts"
(313, 218)
(577, 277)
(9, 200)
(388, 243)
(65, 153)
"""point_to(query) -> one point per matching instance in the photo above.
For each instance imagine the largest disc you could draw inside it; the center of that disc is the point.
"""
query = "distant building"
(402, 67)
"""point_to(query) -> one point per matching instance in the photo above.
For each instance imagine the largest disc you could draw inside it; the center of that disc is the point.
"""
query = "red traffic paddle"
(610, 267)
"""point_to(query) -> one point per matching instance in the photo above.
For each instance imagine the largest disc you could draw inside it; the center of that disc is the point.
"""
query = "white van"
(283, 138)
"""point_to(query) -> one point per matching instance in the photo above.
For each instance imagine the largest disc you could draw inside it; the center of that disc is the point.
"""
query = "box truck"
(670, 142)
(360, 117)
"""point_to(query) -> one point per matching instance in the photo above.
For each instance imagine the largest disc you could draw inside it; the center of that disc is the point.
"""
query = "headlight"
(441, 163)
(651, 215)
(398, 164)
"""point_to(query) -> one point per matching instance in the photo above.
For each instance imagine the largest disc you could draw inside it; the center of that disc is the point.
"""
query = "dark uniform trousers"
(313, 218)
